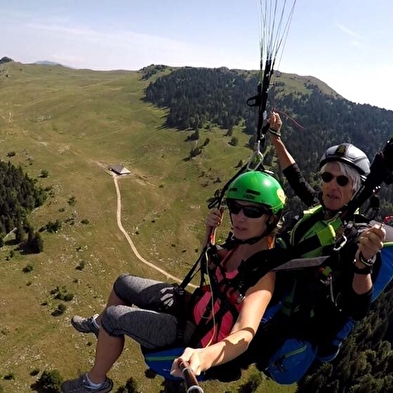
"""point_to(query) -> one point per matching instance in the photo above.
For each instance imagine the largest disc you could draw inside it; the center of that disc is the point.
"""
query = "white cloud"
(349, 32)
(355, 39)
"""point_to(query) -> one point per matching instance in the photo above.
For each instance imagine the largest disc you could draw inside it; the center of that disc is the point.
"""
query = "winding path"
(130, 242)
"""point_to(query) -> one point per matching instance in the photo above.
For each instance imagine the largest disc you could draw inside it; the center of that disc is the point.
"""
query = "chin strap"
(252, 240)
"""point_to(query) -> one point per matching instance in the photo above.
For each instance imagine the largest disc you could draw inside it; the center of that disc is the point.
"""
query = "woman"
(255, 201)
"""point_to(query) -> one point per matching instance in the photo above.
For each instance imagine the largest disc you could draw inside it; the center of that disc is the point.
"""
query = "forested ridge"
(199, 98)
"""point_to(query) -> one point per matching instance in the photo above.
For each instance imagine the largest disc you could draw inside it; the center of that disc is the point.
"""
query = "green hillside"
(75, 124)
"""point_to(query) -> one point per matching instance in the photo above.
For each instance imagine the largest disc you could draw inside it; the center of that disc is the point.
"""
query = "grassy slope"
(74, 123)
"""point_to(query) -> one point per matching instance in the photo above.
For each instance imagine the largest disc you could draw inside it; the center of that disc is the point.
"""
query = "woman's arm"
(254, 305)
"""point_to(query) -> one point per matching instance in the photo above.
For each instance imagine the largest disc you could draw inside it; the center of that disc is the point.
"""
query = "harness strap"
(208, 321)
(317, 242)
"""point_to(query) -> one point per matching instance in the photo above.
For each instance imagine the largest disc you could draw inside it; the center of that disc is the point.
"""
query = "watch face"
(366, 262)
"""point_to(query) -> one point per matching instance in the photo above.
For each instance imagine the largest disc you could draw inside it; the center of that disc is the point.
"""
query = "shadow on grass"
(168, 386)
(40, 387)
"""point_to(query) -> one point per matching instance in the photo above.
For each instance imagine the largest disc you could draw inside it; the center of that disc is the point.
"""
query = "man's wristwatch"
(357, 270)
(368, 264)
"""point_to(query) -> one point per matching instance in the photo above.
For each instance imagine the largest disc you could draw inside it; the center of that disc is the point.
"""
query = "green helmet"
(258, 187)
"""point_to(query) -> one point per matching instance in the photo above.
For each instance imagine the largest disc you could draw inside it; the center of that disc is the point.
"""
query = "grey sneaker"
(85, 325)
(80, 385)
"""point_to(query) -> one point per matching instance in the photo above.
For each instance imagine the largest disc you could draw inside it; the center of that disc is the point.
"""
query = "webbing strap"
(208, 321)
(323, 237)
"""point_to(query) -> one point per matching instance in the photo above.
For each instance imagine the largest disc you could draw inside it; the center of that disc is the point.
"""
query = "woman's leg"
(132, 290)
(113, 300)
(144, 323)
(108, 350)
(149, 328)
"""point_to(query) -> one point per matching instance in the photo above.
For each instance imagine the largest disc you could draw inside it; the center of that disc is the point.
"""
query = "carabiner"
(340, 243)
(256, 158)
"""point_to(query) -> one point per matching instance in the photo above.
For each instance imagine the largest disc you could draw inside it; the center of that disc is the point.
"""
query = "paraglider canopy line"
(275, 20)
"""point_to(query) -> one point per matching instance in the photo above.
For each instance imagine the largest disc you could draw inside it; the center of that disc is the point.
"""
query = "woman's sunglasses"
(341, 180)
(248, 210)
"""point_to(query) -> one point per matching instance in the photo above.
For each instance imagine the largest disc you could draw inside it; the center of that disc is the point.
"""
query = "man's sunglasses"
(249, 211)
(341, 180)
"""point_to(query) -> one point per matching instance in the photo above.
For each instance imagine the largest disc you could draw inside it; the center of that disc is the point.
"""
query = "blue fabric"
(291, 361)
(385, 275)
(161, 362)
(329, 352)
(295, 356)
(386, 272)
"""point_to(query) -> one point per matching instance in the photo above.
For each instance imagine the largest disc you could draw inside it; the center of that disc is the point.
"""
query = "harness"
(223, 299)
(314, 236)
(309, 238)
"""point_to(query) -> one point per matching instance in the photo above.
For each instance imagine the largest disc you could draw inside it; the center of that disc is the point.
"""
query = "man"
(319, 304)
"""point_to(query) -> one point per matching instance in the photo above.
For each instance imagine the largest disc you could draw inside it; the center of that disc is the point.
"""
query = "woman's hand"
(214, 218)
(194, 359)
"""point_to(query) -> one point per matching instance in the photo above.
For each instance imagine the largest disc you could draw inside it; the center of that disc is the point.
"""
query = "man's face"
(335, 196)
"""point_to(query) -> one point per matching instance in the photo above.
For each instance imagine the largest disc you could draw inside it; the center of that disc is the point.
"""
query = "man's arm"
(285, 159)
(288, 164)
(370, 243)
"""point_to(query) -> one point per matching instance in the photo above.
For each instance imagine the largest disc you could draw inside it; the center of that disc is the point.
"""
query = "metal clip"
(256, 158)
(340, 243)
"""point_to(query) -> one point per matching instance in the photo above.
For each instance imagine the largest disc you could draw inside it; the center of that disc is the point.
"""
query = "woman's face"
(334, 195)
(245, 227)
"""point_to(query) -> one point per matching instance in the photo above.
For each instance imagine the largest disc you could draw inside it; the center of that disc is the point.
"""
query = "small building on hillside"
(119, 169)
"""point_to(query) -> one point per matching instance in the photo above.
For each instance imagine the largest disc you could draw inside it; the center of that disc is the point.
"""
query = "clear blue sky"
(346, 43)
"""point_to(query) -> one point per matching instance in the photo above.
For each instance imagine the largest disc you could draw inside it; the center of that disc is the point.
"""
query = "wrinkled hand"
(371, 241)
(275, 124)
(214, 218)
(194, 359)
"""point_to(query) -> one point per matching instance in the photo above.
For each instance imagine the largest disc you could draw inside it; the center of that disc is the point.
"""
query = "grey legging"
(153, 322)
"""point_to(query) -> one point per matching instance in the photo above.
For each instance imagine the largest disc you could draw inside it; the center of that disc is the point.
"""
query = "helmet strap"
(252, 240)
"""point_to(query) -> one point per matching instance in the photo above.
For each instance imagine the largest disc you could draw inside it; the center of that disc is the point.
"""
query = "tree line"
(19, 195)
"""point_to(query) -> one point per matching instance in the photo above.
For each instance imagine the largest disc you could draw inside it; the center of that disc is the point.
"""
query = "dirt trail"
(130, 242)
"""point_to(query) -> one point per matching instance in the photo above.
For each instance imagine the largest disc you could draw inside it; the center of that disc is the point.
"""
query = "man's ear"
(271, 220)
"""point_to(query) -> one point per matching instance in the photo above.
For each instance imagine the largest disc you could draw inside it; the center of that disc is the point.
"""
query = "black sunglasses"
(248, 210)
(341, 180)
